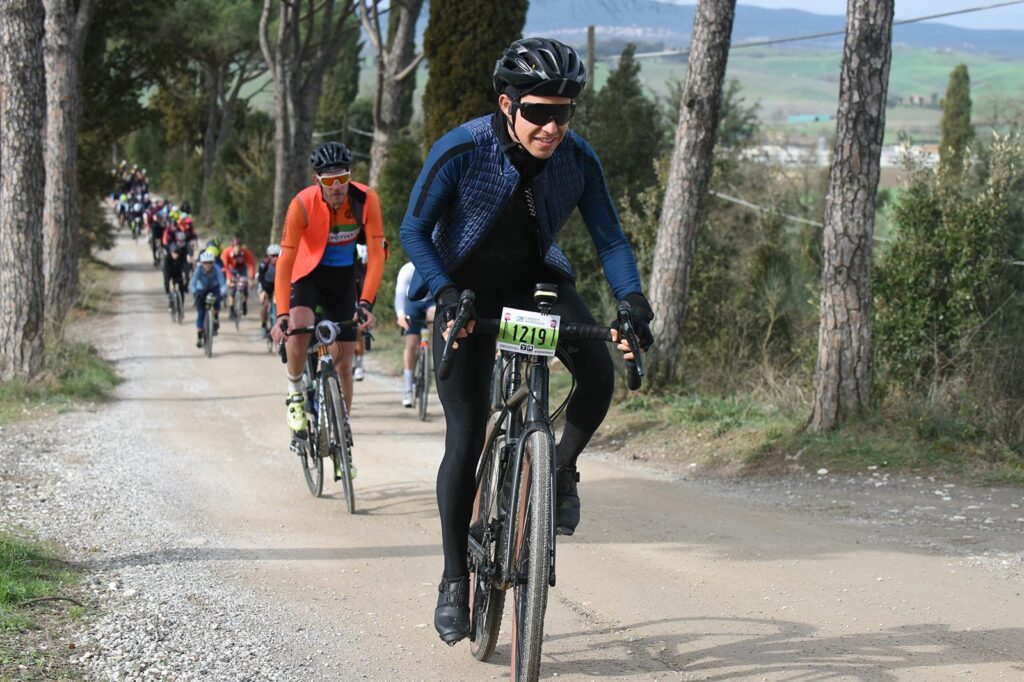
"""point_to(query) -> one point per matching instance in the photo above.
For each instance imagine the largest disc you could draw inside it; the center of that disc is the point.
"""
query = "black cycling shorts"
(331, 292)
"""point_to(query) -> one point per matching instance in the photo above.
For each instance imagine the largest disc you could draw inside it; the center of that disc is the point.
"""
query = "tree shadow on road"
(173, 555)
(745, 648)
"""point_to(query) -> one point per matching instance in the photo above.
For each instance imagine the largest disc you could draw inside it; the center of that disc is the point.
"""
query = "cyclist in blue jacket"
(484, 215)
(207, 279)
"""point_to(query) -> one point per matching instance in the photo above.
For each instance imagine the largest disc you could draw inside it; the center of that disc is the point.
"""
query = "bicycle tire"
(486, 601)
(208, 333)
(236, 309)
(311, 458)
(332, 409)
(532, 560)
(179, 301)
(423, 383)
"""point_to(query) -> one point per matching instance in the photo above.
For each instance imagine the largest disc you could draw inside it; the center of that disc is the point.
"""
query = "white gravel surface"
(157, 612)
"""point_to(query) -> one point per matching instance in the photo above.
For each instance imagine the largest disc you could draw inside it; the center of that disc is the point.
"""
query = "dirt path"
(666, 578)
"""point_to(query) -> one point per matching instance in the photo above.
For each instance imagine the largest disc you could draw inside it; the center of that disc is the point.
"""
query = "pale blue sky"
(1003, 17)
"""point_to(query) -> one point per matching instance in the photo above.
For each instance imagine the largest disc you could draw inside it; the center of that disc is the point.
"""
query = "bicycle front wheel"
(334, 420)
(486, 600)
(312, 458)
(532, 554)
(423, 383)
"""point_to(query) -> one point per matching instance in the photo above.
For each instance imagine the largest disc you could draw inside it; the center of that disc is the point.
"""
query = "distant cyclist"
(207, 279)
(238, 263)
(410, 316)
(265, 279)
(316, 267)
(175, 265)
(358, 373)
(484, 215)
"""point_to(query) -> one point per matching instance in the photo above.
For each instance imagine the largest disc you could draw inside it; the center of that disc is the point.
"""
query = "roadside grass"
(30, 634)
(28, 571)
(73, 371)
(741, 436)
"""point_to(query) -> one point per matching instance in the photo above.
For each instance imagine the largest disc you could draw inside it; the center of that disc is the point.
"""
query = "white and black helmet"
(330, 155)
(540, 66)
(274, 250)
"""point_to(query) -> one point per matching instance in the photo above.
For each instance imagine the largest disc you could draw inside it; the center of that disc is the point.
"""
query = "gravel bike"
(271, 316)
(329, 433)
(423, 370)
(239, 289)
(208, 325)
(177, 301)
(512, 529)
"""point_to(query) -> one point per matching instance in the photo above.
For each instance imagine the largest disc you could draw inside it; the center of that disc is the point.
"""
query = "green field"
(807, 82)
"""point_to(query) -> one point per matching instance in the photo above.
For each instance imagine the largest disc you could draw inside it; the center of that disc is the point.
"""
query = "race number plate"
(528, 332)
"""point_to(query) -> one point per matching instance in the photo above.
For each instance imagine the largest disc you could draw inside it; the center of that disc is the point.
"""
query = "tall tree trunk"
(843, 374)
(689, 175)
(396, 77)
(64, 34)
(216, 78)
(309, 38)
(22, 117)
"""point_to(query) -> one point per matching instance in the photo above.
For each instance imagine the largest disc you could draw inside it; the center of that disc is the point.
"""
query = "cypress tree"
(957, 131)
(463, 40)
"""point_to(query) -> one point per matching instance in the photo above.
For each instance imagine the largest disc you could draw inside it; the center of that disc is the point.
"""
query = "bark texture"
(689, 176)
(22, 117)
(396, 74)
(844, 373)
(310, 34)
(65, 29)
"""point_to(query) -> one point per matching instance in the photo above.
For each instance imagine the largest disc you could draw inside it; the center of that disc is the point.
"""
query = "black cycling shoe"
(567, 505)
(451, 617)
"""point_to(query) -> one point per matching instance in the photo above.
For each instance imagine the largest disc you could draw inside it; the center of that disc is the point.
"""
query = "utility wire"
(826, 34)
(764, 209)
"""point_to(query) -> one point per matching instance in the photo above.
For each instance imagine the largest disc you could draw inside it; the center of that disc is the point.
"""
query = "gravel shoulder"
(206, 558)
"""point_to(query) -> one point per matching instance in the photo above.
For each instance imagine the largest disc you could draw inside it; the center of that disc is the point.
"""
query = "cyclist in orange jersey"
(238, 262)
(324, 223)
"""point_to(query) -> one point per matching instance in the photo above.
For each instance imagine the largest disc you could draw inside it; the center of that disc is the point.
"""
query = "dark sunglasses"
(539, 114)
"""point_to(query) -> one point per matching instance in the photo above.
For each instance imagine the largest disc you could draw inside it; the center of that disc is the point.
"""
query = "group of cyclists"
(483, 215)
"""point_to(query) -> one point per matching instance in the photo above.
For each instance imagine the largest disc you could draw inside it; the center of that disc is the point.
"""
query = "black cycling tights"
(465, 398)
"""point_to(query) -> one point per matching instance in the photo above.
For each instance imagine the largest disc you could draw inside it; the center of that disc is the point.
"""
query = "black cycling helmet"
(539, 66)
(330, 155)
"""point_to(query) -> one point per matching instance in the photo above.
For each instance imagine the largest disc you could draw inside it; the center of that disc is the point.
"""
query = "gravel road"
(207, 559)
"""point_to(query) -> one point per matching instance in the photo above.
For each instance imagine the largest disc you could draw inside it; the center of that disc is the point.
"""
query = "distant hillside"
(649, 21)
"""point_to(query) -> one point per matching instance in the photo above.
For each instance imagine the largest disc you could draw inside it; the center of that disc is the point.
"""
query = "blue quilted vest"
(488, 186)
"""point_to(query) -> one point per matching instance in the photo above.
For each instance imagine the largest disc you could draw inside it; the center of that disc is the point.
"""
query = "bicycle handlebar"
(570, 331)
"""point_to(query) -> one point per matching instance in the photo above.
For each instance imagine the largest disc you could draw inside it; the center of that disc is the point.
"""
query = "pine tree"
(957, 131)
(626, 131)
(463, 40)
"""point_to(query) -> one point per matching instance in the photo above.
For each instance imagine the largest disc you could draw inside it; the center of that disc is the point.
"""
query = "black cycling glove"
(640, 311)
(447, 304)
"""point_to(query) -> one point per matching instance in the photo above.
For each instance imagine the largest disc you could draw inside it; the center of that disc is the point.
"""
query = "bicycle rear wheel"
(208, 332)
(334, 436)
(423, 382)
(486, 601)
(532, 567)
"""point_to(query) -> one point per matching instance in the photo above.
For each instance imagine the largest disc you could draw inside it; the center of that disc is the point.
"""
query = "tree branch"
(411, 68)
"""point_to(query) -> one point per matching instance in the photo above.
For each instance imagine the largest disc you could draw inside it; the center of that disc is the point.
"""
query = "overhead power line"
(828, 34)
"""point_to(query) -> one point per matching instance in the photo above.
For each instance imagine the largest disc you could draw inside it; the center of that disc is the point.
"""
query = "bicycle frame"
(534, 391)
